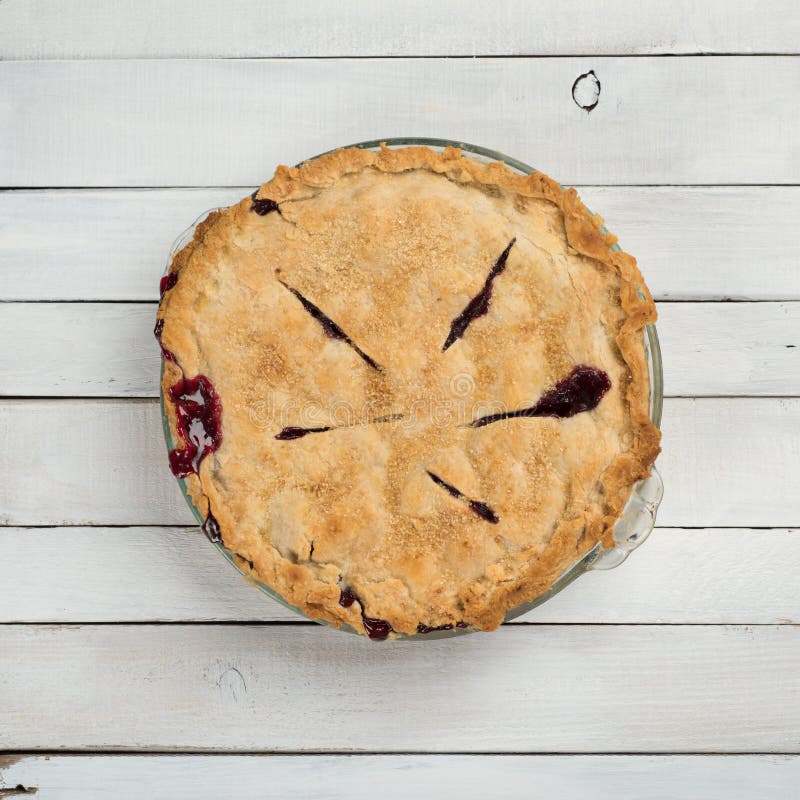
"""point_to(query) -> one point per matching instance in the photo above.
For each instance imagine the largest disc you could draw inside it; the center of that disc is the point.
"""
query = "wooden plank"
(98, 29)
(108, 350)
(228, 122)
(552, 689)
(79, 349)
(403, 776)
(98, 244)
(86, 462)
(97, 575)
(730, 348)
(713, 450)
(693, 243)
(707, 243)
(103, 462)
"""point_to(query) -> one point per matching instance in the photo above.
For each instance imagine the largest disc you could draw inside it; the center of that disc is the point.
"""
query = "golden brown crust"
(390, 245)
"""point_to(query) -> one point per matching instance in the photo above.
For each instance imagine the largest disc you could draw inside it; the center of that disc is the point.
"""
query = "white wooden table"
(133, 662)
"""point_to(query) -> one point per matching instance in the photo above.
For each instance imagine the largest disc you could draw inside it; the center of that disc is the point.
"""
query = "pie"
(406, 389)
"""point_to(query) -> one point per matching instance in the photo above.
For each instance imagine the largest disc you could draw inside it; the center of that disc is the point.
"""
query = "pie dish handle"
(635, 522)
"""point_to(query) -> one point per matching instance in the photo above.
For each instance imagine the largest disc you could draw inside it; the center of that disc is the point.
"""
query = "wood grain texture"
(729, 576)
(98, 29)
(79, 349)
(692, 243)
(303, 688)
(108, 350)
(86, 462)
(730, 348)
(326, 777)
(223, 122)
(726, 462)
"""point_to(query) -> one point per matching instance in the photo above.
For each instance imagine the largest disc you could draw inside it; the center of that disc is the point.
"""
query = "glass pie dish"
(638, 516)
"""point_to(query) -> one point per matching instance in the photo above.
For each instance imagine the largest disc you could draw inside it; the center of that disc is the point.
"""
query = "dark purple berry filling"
(428, 629)
(292, 432)
(582, 390)
(483, 510)
(263, 207)
(479, 305)
(199, 412)
(377, 629)
(347, 597)
(211, 529)
(167, 282)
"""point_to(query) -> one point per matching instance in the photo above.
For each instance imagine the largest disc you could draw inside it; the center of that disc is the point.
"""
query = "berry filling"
(582, 390)
(476, 506)
(479, 305)
(292, 432)
(168, 355)
(263, 207)
(483, 511)
(347, 597)
(199, 414)
(211, 529)
(377, 629)
(428, 629)
(167, 282)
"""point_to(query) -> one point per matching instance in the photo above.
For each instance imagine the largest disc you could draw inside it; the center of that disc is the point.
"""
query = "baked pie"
(406, 389)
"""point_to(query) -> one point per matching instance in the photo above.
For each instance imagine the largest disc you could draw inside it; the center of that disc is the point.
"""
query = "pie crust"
(360, 362)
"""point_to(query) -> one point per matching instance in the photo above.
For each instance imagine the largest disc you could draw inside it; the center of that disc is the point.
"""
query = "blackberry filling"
(483, 510)
(292, 432)
(582, 390)
(211, 529)
(479, 305)
(262, 207)
(295, 432)
(347, 597)
(428, 629)
(377, 629)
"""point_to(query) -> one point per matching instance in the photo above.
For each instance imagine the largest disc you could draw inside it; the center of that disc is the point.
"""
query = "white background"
(135, 664)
